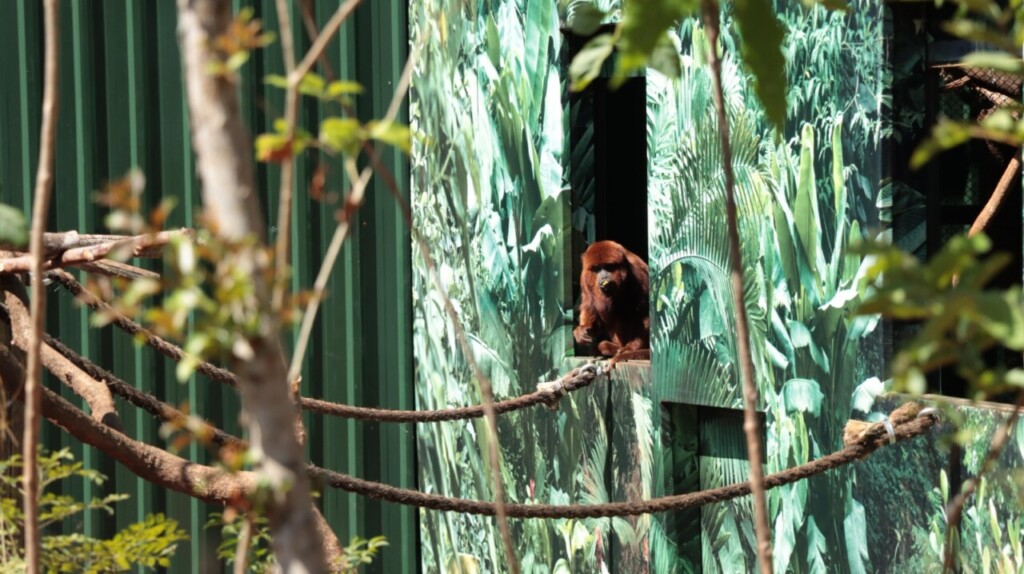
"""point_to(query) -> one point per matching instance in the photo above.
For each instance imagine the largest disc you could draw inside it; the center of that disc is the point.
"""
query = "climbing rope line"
(871, 440)
(546, 393)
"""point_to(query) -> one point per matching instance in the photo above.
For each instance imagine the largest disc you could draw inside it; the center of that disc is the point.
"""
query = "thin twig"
(40, 210)
(352, 203)
(284, 201)
(751, 424)
(309, 21)
(242, 548)
(955, 508)
(325, 36)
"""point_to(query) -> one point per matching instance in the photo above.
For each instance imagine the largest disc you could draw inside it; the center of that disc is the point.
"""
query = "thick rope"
(867, 441)
(546, 394)
(872, 440)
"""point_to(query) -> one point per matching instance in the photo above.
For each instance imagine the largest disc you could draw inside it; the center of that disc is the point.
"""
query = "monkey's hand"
(582, 335)
(608, 348)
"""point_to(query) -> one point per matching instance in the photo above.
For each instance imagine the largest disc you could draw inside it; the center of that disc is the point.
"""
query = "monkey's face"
(608, 277)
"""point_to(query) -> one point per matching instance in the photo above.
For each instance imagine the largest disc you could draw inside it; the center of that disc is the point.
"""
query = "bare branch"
(111, 268)
(148, 462)
(325, 36)
(996, 199)
(40, 210)
(751, 424)
(139, 246)
(95, 394)
(284, 202)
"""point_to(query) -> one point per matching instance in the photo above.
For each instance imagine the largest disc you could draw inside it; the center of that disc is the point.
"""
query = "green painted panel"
(123, 106)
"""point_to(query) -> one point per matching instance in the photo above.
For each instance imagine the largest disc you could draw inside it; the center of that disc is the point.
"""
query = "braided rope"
(873, 439)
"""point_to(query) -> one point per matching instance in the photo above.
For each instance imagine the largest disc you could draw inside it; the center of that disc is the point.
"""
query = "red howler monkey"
(614, 309)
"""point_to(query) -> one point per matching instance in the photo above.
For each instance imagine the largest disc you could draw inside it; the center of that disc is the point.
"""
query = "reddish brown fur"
(616, 317)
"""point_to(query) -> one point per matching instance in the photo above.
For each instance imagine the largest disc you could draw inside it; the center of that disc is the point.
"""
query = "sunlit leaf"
(342, 134)
(392, 133)
(339, 88)
(589, 60)
(13, 227)
(996, 61)
(276, 80)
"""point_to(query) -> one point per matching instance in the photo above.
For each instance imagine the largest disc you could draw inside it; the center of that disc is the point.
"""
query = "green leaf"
(645, 24)
(805, 212)
(276, 80)
(855, 527)
(802, 395)
(761, 51)
(342, 134)
(237, 60)
(392, 133)
(946, 134)
(312, 85)
(995, 60)
(272, 147)
(13, 227)
(339, 88)
(589, 60)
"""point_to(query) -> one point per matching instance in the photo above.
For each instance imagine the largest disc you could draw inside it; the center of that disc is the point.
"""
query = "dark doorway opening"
(607, 164)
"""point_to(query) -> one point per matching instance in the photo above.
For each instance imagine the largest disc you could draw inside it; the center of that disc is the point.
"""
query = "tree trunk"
(223, 154)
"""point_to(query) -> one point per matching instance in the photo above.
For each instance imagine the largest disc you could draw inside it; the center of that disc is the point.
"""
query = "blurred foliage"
(642, 38)
(149, 544)
(959, 317)
(260, 559)
(234, 46)
(13, 227)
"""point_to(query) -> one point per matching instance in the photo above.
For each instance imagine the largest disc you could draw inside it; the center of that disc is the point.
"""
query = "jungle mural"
(501, 191)
(803, 196)
(490, 195)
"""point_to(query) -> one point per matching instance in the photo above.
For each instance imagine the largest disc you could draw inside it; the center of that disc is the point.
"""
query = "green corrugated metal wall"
(122, 105)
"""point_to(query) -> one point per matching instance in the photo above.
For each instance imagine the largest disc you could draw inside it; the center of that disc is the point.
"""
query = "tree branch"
(996, 199)
(325, 36)
(40, 210)
(751, 424)
(139, 246)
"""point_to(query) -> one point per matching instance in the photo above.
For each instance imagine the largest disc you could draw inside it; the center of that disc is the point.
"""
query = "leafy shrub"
(149, 544)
